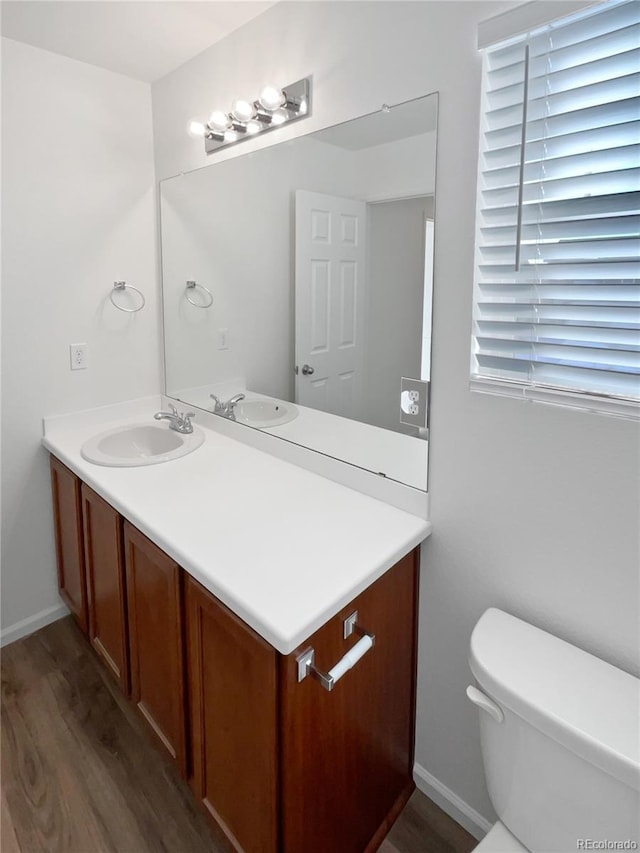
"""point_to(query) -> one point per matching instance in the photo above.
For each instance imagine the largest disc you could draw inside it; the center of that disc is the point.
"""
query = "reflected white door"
(330, 301)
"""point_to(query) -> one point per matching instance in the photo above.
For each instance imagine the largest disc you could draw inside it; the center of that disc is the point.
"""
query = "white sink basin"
(264, 414)
(139, 444)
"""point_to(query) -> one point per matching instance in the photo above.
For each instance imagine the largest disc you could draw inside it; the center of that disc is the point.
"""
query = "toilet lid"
(577, 699)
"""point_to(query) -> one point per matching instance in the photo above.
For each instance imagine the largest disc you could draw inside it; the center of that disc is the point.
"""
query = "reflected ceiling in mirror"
(300, 276)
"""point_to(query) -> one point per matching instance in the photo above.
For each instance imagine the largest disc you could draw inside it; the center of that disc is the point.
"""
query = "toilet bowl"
(560, 736)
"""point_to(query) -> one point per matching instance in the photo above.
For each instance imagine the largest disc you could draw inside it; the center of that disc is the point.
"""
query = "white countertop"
(284, 548)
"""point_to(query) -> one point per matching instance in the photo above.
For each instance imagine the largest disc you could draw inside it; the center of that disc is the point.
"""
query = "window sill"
(612, 406)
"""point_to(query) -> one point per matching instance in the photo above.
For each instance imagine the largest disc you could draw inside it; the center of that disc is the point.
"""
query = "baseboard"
(451, 803)
(32, 623)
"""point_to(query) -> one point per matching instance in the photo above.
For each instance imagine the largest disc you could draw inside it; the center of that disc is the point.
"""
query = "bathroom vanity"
(211, 643)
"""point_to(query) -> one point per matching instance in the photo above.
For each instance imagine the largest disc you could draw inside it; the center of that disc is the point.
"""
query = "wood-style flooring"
(79, 774)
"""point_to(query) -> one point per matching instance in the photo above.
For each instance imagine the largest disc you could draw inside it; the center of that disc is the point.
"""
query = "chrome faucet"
(178, 422)
(226, 409)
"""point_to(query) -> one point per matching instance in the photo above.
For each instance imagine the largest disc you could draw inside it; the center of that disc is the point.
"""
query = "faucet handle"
(184, 422)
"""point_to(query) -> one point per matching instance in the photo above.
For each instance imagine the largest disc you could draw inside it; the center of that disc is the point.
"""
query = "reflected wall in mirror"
(312, 263)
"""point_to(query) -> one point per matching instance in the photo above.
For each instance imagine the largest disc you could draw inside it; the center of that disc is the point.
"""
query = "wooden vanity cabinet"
(67, 516)
(280, 765)
(346, 755)
(288, 766)
(103, 548)
(234, 722)
(156, 650)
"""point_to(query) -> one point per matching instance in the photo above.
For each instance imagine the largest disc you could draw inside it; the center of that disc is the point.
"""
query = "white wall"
(77, 214)
(534, 508)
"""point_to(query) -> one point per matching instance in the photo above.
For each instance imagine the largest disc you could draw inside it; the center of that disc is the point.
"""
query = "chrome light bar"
(273, 108)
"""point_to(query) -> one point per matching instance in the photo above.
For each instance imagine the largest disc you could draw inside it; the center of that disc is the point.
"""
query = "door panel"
(67, 513)
(234, 722)
(330, 294)
(156, 641)
(351, 749)
(106, 584)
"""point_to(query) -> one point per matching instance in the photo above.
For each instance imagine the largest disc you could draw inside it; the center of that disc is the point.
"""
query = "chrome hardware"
(350, 625)
(306, 660)
(295, 105)
(191, 285)
(306, 666)
(119, 287)
(179, 422)
(307, 370)
(226, 409)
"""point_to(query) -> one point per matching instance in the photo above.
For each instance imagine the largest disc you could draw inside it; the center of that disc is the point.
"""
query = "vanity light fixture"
(273, 108)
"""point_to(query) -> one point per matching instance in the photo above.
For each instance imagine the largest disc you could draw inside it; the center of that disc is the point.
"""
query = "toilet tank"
(562, 750)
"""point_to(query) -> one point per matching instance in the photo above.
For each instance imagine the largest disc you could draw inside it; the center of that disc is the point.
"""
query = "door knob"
(307, 370)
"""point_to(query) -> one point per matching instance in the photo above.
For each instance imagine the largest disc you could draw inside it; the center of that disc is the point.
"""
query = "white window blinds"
(557, 285)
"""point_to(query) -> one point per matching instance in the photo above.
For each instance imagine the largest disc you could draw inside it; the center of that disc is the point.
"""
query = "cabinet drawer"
(351, 749)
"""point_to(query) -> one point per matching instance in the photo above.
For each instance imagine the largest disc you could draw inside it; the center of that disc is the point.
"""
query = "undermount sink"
(264, 414)
(139, 444)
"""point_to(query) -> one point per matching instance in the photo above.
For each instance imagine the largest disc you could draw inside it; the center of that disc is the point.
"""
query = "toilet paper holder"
(306, 659)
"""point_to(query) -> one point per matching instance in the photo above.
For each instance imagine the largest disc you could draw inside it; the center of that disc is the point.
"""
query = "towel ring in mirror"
(191, 285)
(119, 286)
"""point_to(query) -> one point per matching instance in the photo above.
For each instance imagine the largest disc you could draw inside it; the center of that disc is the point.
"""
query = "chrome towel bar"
(121, 286)
(306, 660)
(191, 285)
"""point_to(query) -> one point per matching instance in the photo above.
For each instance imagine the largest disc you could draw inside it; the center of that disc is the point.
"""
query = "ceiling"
(145, 39)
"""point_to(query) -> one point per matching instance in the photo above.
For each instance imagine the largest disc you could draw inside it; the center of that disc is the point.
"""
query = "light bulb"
(196, 128)
(271, 98)
(253, 126)
(230, 136)
(243, 110)
(218, 120)
(279, 117)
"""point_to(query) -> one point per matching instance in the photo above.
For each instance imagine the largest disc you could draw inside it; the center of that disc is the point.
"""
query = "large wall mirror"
(297, 288)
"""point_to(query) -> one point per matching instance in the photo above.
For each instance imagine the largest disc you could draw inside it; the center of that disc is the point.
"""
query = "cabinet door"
(232, 686)
(67, 515)
(347, 755)
(105, 584)
(156, 648)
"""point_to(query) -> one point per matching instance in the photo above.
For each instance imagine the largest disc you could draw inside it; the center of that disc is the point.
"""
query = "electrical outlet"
(407, 404)
(413, 402)
(78, 356)
(223, 338)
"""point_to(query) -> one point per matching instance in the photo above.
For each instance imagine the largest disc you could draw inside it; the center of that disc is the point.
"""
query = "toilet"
(560, 736)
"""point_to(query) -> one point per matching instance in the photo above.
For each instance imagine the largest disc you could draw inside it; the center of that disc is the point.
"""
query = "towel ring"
(122, 285)
(191, 285)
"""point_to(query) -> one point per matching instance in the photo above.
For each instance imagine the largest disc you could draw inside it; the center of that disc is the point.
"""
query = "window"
(557, 280)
